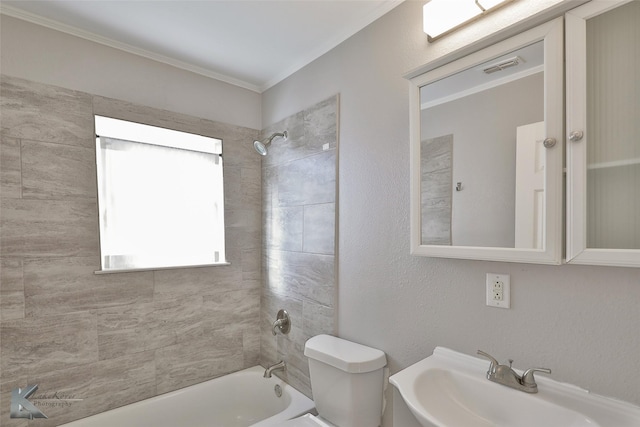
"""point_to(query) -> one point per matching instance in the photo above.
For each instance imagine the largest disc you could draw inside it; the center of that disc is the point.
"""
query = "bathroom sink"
(450, 389)
(457, 399)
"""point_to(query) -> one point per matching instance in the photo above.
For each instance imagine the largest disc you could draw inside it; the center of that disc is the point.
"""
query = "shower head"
(261, 146)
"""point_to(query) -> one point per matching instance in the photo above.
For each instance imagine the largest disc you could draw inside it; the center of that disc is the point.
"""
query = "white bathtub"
(240, 399)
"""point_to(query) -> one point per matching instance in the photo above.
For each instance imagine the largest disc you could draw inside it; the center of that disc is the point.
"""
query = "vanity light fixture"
(441, 17)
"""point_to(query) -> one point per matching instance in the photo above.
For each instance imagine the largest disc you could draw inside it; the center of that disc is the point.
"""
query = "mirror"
(484, 185)
(481, 154)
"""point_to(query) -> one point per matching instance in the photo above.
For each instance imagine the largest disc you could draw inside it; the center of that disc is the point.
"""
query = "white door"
(530, 164)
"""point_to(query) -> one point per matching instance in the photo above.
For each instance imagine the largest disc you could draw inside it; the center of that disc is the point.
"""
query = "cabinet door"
(603, 126)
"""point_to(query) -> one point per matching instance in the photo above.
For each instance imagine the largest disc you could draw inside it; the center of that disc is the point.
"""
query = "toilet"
(347, 383)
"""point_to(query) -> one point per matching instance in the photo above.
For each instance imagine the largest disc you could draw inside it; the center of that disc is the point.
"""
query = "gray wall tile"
(286, 228)
(319, 228)
(251, 345)
(56, 170)
(10, 168)
(33, 346)
(299, 194)
(321, 125)
(49, 228)
(101, 385)
(243, 218)
(307, 181)
(269, 188)
(243, 238)
(181, 283)
(139, 327)
(242, 187)
(133, 328)
(101, 337)
(280, 150)
(237, 146)
(64, 285)
(318, 319)
(198, 360)
(46, 113)
(302, 275)
(251, 265)
(239, 309)
(11, 289)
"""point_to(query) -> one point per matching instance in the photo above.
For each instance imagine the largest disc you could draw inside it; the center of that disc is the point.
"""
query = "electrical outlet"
(498, 290)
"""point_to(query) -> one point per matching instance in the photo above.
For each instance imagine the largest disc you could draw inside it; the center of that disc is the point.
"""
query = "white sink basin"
(450, 389)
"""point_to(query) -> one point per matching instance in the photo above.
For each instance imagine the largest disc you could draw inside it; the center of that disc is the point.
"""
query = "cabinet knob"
(576, 135)
(549, 142)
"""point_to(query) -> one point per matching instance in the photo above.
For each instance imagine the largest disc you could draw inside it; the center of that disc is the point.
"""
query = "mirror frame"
(552, 35)
(577, 250)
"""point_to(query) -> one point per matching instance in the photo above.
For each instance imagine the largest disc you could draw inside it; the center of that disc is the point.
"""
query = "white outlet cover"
(493, 280)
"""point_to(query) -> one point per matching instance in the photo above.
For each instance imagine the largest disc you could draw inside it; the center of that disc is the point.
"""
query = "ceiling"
(253, 44)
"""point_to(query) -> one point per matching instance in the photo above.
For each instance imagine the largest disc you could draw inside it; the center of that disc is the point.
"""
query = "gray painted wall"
(572, 319)
(110, 339)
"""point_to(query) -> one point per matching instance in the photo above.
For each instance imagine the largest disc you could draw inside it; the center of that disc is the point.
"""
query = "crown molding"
(87, 35)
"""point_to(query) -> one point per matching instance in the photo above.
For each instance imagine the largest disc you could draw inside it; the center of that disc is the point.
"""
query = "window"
(160, 197)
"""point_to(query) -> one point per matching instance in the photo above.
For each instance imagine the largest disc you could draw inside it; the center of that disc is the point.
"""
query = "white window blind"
(160, 195)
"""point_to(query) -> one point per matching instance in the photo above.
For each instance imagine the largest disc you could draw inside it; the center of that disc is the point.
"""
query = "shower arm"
(275, 135)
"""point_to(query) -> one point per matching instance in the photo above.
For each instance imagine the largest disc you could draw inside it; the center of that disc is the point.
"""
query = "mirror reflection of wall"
(613, 128)
(480, 119)
(436, 168)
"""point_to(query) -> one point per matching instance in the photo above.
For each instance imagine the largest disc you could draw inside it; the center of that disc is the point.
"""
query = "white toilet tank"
(347, 381)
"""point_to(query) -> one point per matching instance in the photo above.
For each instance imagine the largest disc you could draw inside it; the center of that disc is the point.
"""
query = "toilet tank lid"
(345, 355)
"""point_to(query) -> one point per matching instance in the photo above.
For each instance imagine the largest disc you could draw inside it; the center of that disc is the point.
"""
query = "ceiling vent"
(507, 63)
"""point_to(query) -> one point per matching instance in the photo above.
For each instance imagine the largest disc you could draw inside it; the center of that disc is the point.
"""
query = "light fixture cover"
(441, 16)
(490, 4)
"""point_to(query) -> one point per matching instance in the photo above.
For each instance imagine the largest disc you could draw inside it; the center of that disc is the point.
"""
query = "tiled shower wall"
(299, 212)
(111, 339)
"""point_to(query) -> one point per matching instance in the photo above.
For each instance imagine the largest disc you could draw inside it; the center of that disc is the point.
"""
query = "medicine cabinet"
(467, 167)
(488, 139)
(603, 141)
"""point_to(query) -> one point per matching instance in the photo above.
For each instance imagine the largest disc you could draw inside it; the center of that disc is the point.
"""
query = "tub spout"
(280, 366)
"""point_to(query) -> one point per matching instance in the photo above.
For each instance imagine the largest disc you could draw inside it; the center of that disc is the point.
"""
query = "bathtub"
(240, 399)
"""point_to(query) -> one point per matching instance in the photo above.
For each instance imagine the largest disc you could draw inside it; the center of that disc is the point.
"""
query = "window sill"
(177, 267)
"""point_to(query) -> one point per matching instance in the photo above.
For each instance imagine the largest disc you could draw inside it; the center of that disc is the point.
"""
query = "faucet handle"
(494, 362)
(528, 379)
(282, 323)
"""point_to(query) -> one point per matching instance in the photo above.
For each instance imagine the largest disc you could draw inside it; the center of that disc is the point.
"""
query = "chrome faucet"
(505, 375)
(280, 366)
